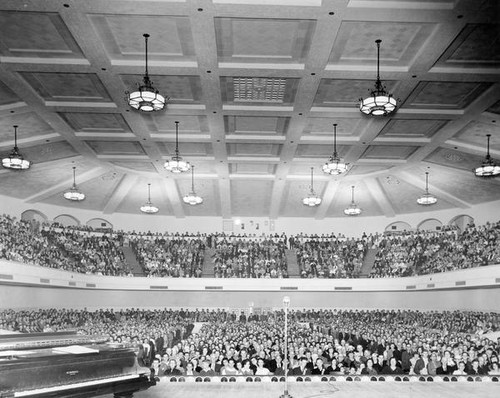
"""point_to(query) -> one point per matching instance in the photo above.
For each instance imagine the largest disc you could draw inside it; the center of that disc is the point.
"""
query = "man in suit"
(302, 369)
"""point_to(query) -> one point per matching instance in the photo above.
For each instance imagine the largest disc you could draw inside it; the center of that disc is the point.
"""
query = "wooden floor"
(324, 390)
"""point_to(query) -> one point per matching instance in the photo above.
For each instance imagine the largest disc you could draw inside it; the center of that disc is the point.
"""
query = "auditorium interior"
(297, 198)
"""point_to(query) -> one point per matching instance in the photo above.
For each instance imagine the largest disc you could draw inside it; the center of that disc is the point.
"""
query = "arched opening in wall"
(37, 218)
(65, 220)
(398, 227)
(34, 215)
(99, 224)
(431, 224)
(461, 222)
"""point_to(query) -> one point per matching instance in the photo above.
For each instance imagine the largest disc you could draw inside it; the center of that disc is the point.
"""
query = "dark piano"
(68, 365)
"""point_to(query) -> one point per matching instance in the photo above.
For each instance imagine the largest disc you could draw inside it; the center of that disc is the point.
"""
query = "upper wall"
(25, 286)
(349, 226)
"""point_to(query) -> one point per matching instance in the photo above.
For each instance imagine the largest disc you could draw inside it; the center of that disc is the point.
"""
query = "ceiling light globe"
(487, 169)
(378, 104)
(334, 166)
(176, 165)
(311, 200)
(148, 208)
(74, 195)
(192, 199)
(427, 199)
(352, 210)
(146, 99)
(16, 162)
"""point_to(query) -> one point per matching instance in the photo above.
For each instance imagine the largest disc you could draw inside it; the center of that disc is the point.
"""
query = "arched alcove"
(430, 224)
(398, 227)
(461, 221)
(99, 224)
(34, 215)
(66, 220)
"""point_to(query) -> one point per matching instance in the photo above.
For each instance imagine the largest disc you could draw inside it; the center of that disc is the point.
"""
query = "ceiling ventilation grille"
(259, 89)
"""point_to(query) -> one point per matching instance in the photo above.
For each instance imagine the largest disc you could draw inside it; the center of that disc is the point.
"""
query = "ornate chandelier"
(352, 209)
(488, 168)
(191, 198)
(427, 199)
(335, 165)
(148, 206)
(73, 193)
(312, 199)
(176, 164)
(380, 102)
(146, 98)
(15, 160)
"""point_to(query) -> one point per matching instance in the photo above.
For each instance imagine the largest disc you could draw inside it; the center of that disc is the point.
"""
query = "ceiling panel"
(388, 152)
(122, 36)
(116, 148)
(319, 151)
(165, 123)
(355, 41)
(67, 86)
(263, 40)
(7, 96)
(36, 34)
(476, 44)
(96, 122)
(185, 148)
(49, 151)
(454, 95)
(256, 124)
(411, 128)
(324, 126)
(253, 149)
(30, 124)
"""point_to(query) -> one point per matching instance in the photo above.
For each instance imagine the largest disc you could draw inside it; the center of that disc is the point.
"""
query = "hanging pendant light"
(335, 165)
(148, 206)
(176, 164)
(312, 199)
(15, 160)
(380, 102)
(352, 209)
(146, 98)
(73, 193)
(427, 199)
(191, 198)
(488, 168)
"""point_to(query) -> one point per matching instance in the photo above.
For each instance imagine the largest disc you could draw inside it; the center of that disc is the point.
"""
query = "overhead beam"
(327, 199)
(119, 193)
(82, 178)
(379, 195)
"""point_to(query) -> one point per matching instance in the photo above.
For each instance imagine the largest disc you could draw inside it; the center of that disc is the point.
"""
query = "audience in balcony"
(81, 249)
(166, 256)
(330, 257)
(240, 257)
(424, 252)
(320, 342)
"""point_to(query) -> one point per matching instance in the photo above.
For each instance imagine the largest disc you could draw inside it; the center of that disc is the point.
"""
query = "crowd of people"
(61, 248)
(174, 256)
(320, 342)
(250, 258)
(409, 253)
(426, 252)
(334, 257)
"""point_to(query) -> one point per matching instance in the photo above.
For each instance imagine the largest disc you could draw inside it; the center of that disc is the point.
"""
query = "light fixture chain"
(146, 36)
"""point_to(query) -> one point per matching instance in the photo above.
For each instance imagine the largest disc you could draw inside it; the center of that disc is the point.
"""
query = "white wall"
(350, 226)
(23, 286)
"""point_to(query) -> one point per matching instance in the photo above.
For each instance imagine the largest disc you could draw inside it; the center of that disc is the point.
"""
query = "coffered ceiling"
(256, 86)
